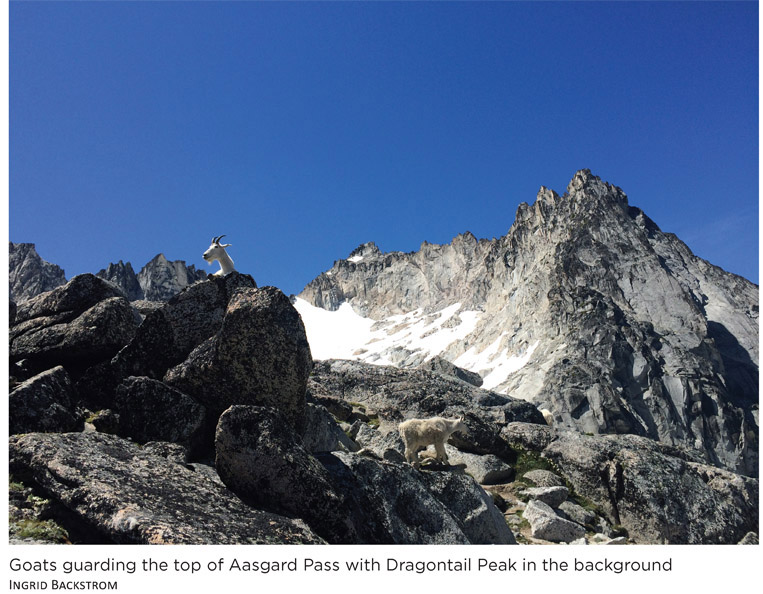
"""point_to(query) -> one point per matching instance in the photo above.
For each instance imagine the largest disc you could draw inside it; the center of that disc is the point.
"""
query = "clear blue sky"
(301, 130)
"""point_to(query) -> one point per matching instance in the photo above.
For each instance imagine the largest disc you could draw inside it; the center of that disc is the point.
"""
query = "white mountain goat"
(217, 252)
(547, 416)
(419, 433)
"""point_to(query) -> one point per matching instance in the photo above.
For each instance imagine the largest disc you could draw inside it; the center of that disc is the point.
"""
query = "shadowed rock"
(261, 459)
(44, 403)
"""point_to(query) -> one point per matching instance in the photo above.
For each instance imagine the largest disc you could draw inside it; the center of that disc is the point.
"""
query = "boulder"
(261, 458)
(486, 469)
(544, 478)
(547, 525)
(152, 411)
(82, 323)
(474, 510)
(576, 513)
(390, 503)
(260, 357)
(551, 496)
(169, 334)
(44, 403)
(323, 434)
(528, 436)
(445, 367)
(657, 492)
(125, 495)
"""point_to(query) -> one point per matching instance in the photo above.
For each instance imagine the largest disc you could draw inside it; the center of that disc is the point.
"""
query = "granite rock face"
(585, 308)
(44, 403)
(659, 493)
(124, 495)
(29, 274)
(262, 459)
(152, 411)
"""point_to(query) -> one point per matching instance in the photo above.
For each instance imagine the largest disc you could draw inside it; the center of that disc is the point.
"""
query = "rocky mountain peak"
(29, 274)
(365, 250)
(585, 308)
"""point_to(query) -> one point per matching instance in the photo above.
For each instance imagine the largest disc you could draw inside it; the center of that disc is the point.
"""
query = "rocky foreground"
(209, 422)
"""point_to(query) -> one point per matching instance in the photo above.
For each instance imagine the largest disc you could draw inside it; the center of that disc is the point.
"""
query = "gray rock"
(486, 469)
(152, 411)
(168, 335)
(260, 457)
(172, 451)
(260, 356)
(576, 513)
(82, 323)
(546, 525)
(390, 503)
(474, 510)
(528, 436)
(551, 496)
(657, 492)
(323, 434)
(379, 439)
(29, 274)
(125, 495)
(340, 409)
(623, 328)
(44, 403)
(544, 478)
(445, 367)
(161, 279)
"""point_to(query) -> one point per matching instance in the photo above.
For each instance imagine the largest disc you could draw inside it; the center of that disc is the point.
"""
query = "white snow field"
(344, 334)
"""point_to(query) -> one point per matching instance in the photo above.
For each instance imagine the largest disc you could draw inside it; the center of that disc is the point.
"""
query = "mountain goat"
(217, 252)
(549, 418)
(419, 433)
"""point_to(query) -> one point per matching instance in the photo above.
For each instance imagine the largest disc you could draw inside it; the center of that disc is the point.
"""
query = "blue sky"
(301, 130)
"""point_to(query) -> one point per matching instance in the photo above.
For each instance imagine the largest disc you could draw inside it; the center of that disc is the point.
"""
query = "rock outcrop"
(123, 495)
(84, 322)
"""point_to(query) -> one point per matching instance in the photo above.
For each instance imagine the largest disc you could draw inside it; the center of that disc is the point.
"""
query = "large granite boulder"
(260, 457)
(169, 334)
(44, 403)
(659, 493)
(124, 495)
(165, 338)
(260, 356)
(547, 525)
(152, 411)
(77, 325)
(392, 503)
(322, 433)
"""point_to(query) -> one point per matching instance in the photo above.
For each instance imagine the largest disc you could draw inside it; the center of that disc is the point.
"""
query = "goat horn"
(217, 239)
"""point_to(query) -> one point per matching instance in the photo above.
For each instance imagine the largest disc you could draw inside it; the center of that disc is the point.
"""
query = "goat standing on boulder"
(419, 433)
(217, 252)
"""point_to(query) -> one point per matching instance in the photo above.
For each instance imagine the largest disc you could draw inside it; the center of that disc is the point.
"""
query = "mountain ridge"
(584, 307)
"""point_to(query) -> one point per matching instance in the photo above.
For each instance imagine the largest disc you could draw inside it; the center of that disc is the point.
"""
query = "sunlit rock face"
(585, 308)
(29, 274)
